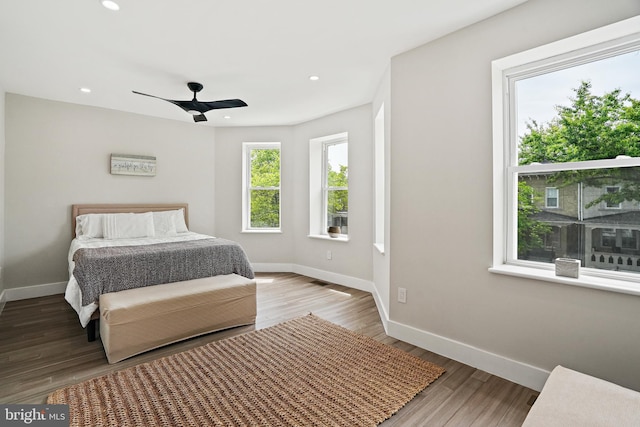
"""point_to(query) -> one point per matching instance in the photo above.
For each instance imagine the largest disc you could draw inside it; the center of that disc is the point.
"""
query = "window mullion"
(588, 164)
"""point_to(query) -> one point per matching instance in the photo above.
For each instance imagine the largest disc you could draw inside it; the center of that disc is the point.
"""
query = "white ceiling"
(260, 51)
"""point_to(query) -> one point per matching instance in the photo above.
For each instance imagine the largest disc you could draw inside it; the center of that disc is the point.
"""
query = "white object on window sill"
(585, 281)
(568, 267)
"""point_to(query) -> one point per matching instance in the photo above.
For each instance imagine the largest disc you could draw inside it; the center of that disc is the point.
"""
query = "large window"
(329, 186)
(567, 121)
(261, 186)
(335, 163)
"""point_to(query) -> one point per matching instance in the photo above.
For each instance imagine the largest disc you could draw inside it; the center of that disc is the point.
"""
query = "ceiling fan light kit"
(109, 4)
(198, 108)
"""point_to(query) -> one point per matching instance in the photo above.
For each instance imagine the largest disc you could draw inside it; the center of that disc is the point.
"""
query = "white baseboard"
(35, 291)
(384, 316)
(327, 276)
(340, 279)
(272, 267)
(512, 370)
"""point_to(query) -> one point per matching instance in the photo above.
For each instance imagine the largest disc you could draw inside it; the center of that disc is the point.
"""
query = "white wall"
(381, 261)
(260, 247)
(2, 173)
(293, 247)
(57, 154)
(353, 258)
(64, 159)
(441, 210)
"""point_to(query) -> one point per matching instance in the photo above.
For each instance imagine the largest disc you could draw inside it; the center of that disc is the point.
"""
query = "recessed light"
(109, 4)
(226, 117)
(314, 78)
(85, 90)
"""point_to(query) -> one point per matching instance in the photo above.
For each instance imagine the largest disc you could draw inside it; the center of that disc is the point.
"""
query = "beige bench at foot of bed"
(574, 399)
(138, 320)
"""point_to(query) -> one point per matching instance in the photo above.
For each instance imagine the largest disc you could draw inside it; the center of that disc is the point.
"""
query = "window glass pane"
(261, 186)
(337, 165)
(585, 112)
(552, 197)
(265, 167)
(612, 204)
(265, 209)
(607, 237)
(629, 239)
(337, 181)
(581, 227)
(338, 209)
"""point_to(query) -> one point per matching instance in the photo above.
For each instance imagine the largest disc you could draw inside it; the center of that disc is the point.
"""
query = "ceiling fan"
(198, 108)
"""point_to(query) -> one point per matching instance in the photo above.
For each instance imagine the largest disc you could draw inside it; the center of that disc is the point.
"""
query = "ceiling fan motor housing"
(194, 86)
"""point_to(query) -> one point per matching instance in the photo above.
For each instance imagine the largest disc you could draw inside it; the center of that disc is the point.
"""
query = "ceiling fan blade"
(190, 106)
(199, 118)
(146, 94)
(203, 107)
(164, 99)
(226, 103)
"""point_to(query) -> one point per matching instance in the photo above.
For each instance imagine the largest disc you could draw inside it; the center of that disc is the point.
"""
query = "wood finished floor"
(43, 348)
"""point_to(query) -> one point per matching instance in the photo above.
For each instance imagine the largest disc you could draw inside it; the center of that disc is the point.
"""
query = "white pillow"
(89, 226)
(128, 225)
(181, 225)
(164, 223)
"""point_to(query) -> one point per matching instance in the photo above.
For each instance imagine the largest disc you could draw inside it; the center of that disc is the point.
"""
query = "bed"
(118, 247)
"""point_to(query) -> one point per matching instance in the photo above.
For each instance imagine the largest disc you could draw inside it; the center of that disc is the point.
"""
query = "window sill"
(379, 247)
(585, 281)
(262, 231)
(342, 238)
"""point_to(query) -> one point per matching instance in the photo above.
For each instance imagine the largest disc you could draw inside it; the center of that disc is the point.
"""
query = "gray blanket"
(102, 270)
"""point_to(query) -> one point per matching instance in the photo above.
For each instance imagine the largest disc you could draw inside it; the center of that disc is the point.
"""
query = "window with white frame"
(335, 173)
(329, 186)
(567, 117)
(261, 186)
(551, 198)
(379, 177)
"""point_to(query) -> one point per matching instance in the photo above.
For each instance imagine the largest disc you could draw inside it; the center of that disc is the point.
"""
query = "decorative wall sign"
(127, 164)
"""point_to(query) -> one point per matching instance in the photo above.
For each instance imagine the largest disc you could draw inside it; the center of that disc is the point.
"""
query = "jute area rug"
(303, 372)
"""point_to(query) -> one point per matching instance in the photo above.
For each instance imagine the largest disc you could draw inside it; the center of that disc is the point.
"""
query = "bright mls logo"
(34, 415)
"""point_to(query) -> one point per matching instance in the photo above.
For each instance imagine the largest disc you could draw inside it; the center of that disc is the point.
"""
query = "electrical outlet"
(329, 255)
(402, 295)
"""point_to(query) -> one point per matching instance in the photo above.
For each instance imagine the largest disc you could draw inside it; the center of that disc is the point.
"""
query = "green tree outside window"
(265, 188)
(592, 127)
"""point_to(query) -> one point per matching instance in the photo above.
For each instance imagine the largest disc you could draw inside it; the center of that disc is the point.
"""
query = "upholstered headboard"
(124, 208)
